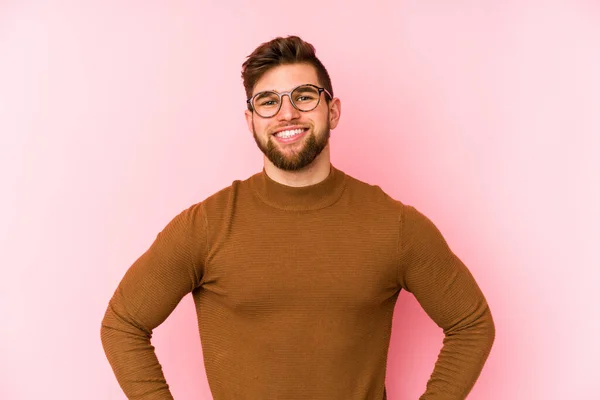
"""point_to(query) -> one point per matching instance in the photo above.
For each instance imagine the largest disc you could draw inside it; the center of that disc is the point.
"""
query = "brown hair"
(281, 51)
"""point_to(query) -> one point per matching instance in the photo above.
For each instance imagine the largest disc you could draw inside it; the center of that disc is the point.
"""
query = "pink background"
(114, 116)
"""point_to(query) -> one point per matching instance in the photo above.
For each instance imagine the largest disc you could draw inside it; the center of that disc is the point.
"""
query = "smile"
(289, 133)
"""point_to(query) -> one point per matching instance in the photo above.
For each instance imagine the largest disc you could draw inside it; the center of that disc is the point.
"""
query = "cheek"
(321, 121)
(260, 126)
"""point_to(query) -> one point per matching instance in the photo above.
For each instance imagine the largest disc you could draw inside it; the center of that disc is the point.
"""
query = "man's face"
(298, 151)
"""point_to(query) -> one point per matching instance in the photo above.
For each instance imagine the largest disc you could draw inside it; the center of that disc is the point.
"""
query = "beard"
(313, 146)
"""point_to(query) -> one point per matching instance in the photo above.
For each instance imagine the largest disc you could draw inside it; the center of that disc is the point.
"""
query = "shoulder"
(222, 197)
(373, 197)
(214, 204)
(364, 193)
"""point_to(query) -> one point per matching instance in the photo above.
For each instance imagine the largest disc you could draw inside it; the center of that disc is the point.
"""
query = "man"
(295, 271)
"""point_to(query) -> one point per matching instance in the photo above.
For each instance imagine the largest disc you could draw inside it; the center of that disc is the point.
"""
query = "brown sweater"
(294, 290)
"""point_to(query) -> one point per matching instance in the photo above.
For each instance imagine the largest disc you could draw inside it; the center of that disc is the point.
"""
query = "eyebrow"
(273, 90)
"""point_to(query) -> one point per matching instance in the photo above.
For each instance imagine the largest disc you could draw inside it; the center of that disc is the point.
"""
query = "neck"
(312, 174)
(322, 194)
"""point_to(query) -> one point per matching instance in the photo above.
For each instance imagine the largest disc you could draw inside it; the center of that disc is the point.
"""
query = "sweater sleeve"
(448, 293)
(148, 293)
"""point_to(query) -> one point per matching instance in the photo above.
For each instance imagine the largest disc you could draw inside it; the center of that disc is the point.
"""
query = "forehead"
(286, 77)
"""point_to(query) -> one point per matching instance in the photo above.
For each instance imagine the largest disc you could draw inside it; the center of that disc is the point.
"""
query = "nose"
(287, 110)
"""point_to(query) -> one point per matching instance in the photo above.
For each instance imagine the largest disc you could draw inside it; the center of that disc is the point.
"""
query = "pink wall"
(114, 116)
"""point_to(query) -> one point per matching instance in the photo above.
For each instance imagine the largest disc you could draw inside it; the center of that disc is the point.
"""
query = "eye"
(305, 97)
(266, 99)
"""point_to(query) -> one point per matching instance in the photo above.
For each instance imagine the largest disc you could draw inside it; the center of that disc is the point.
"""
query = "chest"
(308, 261)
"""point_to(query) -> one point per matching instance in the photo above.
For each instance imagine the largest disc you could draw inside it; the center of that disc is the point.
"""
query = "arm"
(148, 293)
(448, 293)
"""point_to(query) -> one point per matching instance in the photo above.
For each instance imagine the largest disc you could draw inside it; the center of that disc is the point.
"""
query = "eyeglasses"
(304, 98)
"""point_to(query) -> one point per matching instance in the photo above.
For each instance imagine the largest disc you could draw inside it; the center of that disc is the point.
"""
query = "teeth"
(290, 133)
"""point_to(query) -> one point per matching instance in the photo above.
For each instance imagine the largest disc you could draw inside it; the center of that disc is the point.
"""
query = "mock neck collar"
(311, 197)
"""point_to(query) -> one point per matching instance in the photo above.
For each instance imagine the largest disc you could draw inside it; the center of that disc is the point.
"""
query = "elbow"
(116, 325)
(480, 327)
(486, 329)
(107, 328)
(491, 328)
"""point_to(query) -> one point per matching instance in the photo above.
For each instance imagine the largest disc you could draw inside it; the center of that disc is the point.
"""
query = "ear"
(335, 112)
(248, 115)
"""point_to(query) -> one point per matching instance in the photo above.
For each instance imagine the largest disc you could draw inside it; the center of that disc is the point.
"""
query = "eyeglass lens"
(305, 98)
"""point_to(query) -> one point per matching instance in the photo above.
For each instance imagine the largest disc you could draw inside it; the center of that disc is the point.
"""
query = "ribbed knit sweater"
(294, 290)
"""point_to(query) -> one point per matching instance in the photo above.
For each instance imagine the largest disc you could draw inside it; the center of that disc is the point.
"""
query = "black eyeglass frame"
(250, 101)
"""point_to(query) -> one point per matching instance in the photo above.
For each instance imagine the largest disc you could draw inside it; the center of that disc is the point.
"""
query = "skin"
(306, 161)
